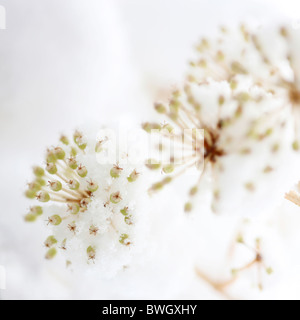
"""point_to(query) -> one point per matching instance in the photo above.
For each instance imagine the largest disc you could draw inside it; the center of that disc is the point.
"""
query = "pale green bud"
(74, 185)
(39, 172)
(168, 169)
(30, 194)
(30, 217)
(193, 191)
(82, 171)
(79, 140)
(55, 186)
(34, 186)
(133, 176)
(128, 220)
(41, 182)
(124, 239)
(50, 241)
(73, 152)
(51, 253)
(59, 153)
(73, 208)
(153, 164)
(115, 172)
(37, 210)
(72, 163)
(115, 197)
(51, 157)
(91, 252)
(92, 186)
(64, 140)
(51, 168)
(296, 146)
(188, 207)
(160, 108)
(43, 196)
(55, 220)
(124, 211)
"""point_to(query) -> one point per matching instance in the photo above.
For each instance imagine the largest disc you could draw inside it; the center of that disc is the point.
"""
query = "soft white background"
(66, 63)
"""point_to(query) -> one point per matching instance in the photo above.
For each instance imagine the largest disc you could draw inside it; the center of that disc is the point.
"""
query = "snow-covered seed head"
(82, 204)
(232, 104)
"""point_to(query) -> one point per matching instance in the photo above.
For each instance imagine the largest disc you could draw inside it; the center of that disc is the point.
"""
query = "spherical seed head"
(51, 168)
(39, 172)
(74, 185)
(82, 171)
(55, 186)
(115, 197)
(50, 241)
(55, 220)
(59, 153)
(43, 196)
(73, 208)
(81, 215)
(51, 253)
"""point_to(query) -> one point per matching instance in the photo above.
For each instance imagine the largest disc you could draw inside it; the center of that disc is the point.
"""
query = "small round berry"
(82, 171)
(73, 208)
(74, 185)
(55, 186)
(39, 172)
(43, 196)
(115, 197)
(50, 241)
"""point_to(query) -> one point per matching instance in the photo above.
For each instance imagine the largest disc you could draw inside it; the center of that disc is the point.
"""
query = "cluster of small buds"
(238, 115)
(86, 203)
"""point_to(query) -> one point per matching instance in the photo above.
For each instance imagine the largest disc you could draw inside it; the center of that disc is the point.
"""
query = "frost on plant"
(244, 101)
(89, 207)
